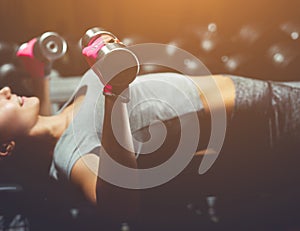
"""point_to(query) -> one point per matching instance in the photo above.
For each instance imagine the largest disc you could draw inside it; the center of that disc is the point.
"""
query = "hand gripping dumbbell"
(114, 63)
(39, 53)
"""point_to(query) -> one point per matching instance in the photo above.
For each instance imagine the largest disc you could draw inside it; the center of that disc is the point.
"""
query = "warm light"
(294, 35)
(212, 27)
(290, 28)
(190, 64)
(208, 37)
(282, 54)
(249, 33)
(224, 58)
(278, 58)
(207, 45)
(128, 41)
(231, 63)
(171, 48)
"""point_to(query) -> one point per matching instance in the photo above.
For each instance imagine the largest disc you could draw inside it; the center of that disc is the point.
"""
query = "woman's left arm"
(41, 89)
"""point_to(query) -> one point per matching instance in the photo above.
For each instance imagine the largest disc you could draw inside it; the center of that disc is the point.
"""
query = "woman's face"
(18, 114)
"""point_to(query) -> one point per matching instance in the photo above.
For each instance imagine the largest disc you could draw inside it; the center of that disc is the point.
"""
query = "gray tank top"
(153, 97)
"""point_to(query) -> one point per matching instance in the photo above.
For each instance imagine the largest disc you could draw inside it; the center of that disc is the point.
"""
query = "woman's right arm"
(113, 200)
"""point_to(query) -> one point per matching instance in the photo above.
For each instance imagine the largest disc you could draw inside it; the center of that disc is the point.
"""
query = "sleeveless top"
(153, 97)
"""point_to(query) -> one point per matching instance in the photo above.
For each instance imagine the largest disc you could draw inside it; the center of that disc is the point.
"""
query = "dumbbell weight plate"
(52, 46)
(93, 34)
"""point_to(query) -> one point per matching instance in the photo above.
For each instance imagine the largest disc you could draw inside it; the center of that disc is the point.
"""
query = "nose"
(6, 92)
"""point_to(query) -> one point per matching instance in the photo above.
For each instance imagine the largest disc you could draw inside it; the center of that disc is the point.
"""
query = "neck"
(47, 130)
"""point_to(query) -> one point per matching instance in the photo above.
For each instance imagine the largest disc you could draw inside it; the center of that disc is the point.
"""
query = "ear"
(7, 148)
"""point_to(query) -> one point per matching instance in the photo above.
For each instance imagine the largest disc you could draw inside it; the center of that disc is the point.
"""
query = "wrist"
(121, 93)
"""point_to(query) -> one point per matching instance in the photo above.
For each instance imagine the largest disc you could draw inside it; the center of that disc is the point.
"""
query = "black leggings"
(274, 104)
(262, 143)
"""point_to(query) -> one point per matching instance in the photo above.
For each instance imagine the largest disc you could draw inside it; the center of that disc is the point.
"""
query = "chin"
(32, 102)
(36, 104)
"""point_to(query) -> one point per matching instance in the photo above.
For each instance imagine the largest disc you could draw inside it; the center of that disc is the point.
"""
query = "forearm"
(117, 143)
(41, 89)
(116, 136)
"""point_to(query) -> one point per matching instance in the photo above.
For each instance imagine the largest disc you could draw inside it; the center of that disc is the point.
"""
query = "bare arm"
(41, 89)
(112, 199)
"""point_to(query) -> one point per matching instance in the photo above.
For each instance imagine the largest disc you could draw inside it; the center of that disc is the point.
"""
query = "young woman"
(92, 125)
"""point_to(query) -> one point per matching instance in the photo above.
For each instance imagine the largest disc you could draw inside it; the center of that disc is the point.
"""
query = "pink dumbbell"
(112, 61)
(38, 54)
